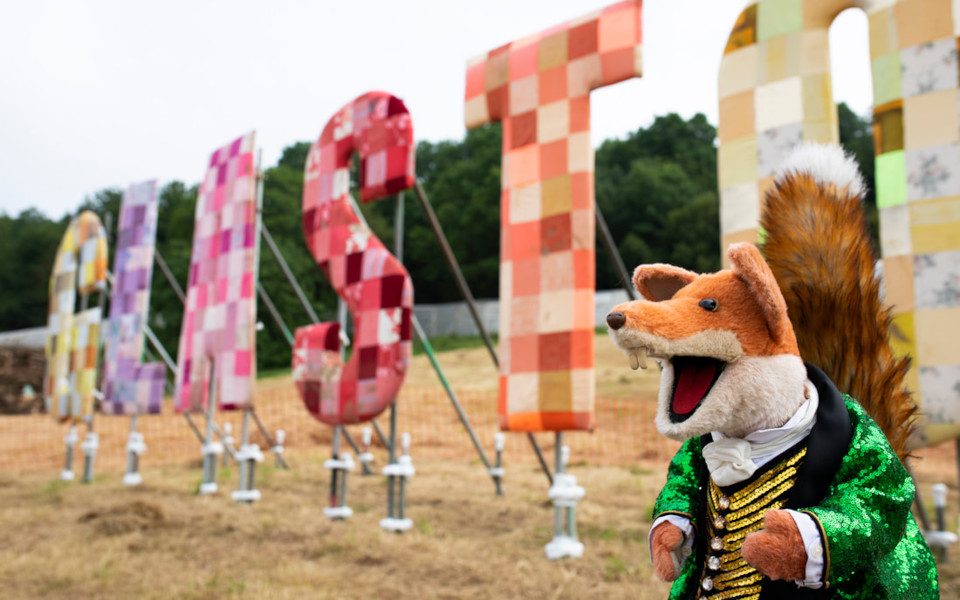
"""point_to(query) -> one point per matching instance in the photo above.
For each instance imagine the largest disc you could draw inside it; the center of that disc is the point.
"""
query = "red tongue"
(694, 378)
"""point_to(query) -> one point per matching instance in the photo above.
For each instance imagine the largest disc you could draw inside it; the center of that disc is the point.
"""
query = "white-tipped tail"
(827, 164)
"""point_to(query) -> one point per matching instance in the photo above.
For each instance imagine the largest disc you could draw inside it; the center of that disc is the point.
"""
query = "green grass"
(445, 343)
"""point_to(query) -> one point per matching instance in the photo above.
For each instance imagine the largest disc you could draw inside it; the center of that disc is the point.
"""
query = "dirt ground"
(60, 540)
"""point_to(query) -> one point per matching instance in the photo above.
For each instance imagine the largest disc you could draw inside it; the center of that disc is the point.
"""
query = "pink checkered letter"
(374, 284)
(217, 337)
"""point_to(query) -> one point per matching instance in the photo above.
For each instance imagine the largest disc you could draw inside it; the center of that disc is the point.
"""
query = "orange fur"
(746, 296)
(819, 250)
(665, 539)
(777, 549)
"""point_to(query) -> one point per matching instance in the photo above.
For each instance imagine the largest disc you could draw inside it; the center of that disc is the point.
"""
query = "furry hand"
(664, 540)
(777, 550)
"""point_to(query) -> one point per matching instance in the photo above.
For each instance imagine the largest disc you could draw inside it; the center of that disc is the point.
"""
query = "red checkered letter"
(374, 284)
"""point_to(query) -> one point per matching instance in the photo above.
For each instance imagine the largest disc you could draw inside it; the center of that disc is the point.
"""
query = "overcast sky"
(104, 93)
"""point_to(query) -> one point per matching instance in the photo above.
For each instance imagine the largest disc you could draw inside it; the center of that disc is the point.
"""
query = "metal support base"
(70, 440)
(396, 525)
(89, 447)
(564, 493)
(339, 467)
(211, 450)
(398, 473)
(248, 457)
(135, 448)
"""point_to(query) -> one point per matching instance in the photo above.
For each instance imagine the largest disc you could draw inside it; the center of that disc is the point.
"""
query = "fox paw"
(777, 550)
(665, 540)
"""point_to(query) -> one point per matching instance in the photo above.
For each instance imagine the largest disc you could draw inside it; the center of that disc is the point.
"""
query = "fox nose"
(616, 320)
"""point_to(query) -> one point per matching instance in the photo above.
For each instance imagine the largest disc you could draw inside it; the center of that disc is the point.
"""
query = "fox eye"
(709, 304)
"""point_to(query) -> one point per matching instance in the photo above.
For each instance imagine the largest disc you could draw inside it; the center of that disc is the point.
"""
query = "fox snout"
(616, 319)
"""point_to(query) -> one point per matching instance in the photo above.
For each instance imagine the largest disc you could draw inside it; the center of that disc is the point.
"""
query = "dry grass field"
(161, 540)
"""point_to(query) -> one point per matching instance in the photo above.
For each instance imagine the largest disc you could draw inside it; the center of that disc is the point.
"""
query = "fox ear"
(748, 264)
(660, 282)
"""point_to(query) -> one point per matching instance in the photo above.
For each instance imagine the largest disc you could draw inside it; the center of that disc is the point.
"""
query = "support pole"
(392, 498)
(497, 471)
(277, 449)
(402, 470)
(248, 457)
(275, 250)
(461, 281)
(940, 539)
(168, 274)
(455, 269)
(92, 441)
(272, 309)
(365, 456)
(135, 448)
(613, 254)
(225, 434)
(918, 500)
(70, 441)
(276, 445)
(193, 427)
(457, 407)
(364, 465)
(211, 449)
(340, 463)
(565, 493)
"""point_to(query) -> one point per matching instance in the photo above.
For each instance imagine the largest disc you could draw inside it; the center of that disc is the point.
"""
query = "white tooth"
(634, 362)
(642, 358)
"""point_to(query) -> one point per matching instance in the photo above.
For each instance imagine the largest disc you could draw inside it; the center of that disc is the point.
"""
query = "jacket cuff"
(813, 545)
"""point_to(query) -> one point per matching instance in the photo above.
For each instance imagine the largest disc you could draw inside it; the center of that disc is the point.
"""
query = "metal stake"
(71, 442)
(210, 448)
(565, 493)
(135, 447)
(497, 471)
(248, 457)
(613, 254)
(364, 466)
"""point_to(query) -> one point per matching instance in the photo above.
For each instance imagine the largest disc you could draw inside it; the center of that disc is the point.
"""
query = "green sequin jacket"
(855, 488)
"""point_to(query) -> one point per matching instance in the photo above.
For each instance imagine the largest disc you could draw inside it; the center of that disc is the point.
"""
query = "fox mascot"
(786, 486)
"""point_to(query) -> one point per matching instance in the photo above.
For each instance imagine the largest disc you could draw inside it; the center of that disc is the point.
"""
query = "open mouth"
(693, 378)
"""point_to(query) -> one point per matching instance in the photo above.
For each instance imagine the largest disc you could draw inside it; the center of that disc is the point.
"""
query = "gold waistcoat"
(730, 518)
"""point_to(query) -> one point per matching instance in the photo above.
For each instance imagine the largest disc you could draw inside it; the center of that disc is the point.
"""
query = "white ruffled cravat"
(732, 460)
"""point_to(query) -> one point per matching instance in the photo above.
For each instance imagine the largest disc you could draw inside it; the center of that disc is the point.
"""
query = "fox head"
(728, 351)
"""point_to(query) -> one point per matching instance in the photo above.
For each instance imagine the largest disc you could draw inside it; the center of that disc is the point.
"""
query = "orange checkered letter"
(539, 88)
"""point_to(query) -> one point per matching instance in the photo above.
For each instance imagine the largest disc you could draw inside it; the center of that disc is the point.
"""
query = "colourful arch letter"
(73, 339)
(217, 336)
(539, 88)
(374, 284)
(775, 91)
(129, 386)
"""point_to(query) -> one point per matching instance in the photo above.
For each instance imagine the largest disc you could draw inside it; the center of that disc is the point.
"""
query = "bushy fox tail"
(818, 246)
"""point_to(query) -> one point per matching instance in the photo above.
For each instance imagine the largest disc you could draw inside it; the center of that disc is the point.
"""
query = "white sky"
(103, 93)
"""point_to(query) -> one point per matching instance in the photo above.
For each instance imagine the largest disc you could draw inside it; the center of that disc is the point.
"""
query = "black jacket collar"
(826, 446)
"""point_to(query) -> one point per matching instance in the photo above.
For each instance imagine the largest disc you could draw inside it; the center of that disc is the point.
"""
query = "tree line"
(657, 188)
